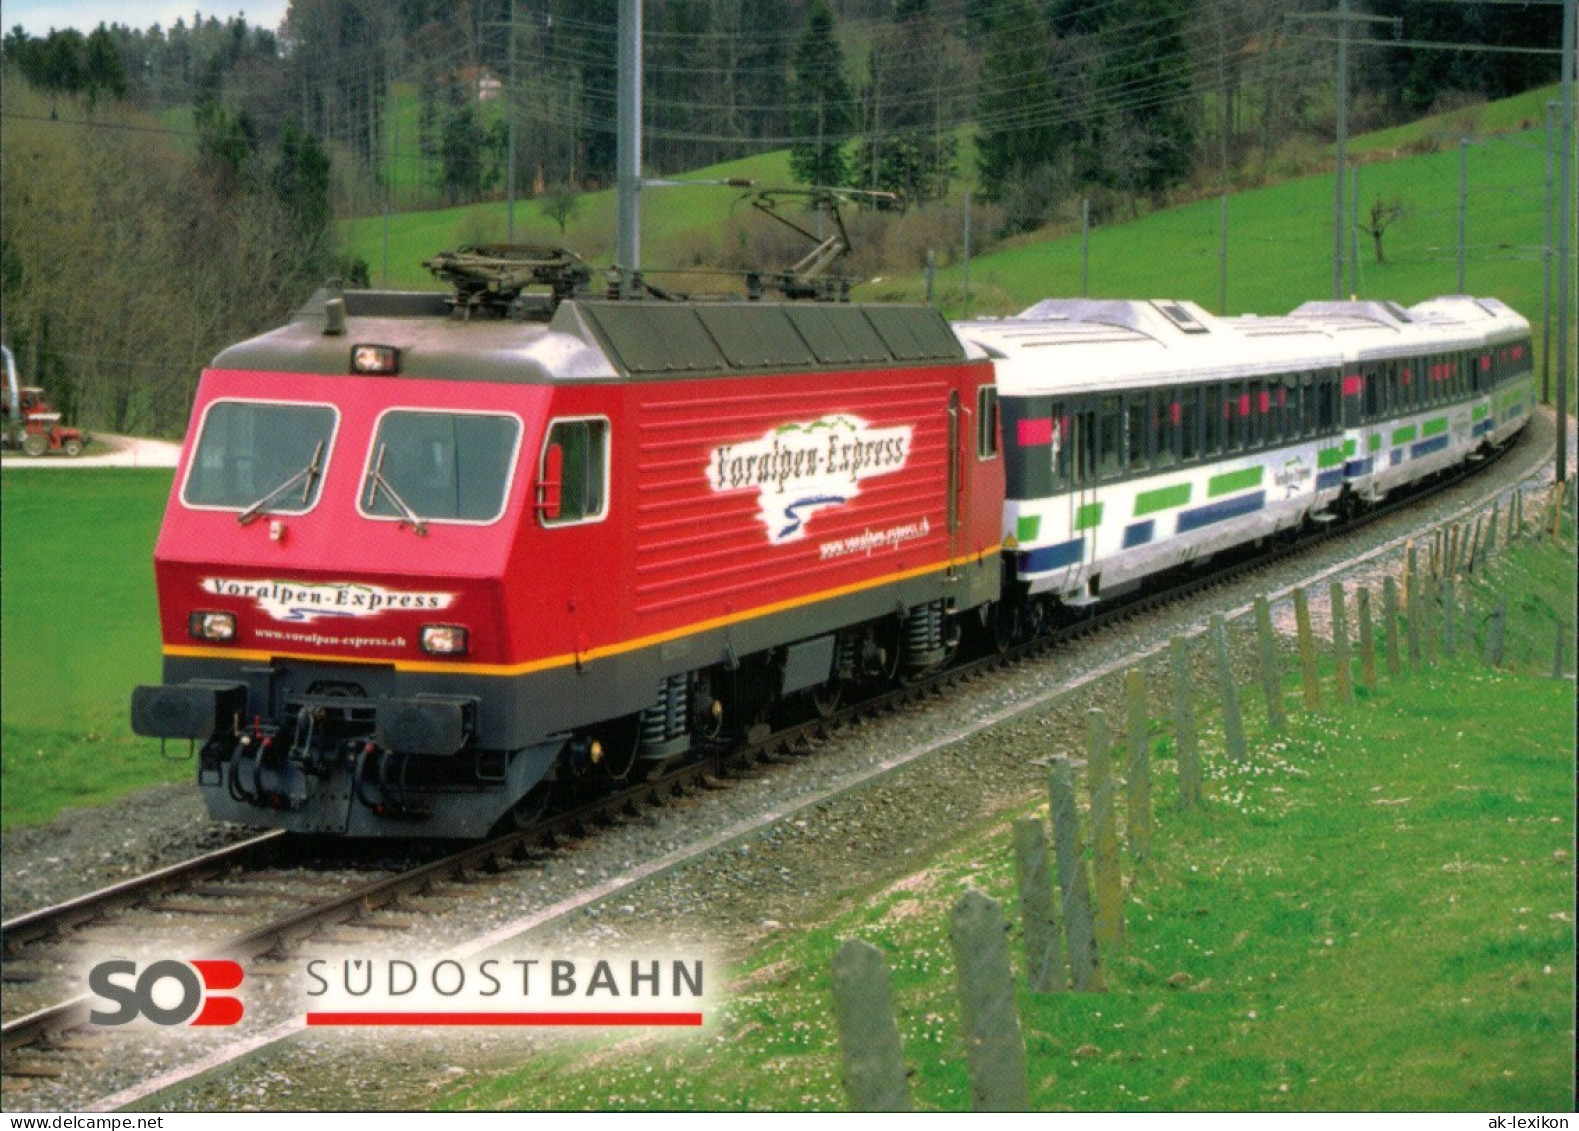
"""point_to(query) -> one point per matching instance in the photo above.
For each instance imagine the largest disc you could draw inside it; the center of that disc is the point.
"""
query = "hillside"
(1279, 245)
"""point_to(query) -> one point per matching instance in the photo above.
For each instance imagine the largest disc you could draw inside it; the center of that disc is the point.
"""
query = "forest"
(168, 189)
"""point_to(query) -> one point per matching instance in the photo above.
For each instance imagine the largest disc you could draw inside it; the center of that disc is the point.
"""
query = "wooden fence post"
(1495, 628)
(1367, 638)
(994, 1048)
(1390, 626)
(1233, 720)
(1271, 673)
(1044, 960)
(863, 1001)
(1085, 971)
(1430, 615)
(1449, 619)
(1412, 597)
(1185, 740)
(1490, 544)
(1340, 645)
(1141, 827)
(1307, 651)
(1104, 832)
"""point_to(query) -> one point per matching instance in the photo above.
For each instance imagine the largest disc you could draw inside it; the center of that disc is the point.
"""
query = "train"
(432, 561)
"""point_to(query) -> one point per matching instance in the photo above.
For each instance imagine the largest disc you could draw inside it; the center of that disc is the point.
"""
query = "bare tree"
(1384, 214)
(560, 204)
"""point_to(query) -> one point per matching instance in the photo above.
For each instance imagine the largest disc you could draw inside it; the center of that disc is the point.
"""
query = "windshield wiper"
(310, 474)
(377, 481)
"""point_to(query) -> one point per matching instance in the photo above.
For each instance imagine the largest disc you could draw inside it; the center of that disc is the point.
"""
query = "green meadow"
(1373, 913)
(80, 629)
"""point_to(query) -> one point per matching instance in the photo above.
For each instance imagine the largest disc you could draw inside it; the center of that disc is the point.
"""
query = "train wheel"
(825, 698)
(1005, 626)
(532, 808)
(621, 741)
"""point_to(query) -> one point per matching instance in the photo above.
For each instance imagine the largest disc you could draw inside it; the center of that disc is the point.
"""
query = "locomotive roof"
(591, 339)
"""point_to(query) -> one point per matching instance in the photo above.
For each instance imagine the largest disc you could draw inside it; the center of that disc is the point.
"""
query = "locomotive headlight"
(444, 639)
(368, 358)
(211, 626)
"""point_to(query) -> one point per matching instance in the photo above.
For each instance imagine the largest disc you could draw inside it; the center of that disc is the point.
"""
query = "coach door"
(1080, 550)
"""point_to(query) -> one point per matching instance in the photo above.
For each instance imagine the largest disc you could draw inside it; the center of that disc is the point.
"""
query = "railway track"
(221, 876)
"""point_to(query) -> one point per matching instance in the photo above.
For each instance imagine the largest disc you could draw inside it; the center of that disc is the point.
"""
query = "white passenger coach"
(1142, 436)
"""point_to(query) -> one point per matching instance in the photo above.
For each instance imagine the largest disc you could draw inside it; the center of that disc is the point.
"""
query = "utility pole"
(1546, 261)
(1354, 238)
(1566, 211)
(1085, 245)
(967, 253)
(509, 122)
(1463, 207)
(628, 147)
(1222, 255)
(1338, 210)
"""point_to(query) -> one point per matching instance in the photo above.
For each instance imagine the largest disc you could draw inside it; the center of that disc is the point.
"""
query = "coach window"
(1189, 422)
(1136, 430)
(1060, 449)
(1111, 438)
(1211, 419)
(580, 449)
(1233, 422)
(987, 422)
(1165, 417)
(1260, 414)
(1327, 404)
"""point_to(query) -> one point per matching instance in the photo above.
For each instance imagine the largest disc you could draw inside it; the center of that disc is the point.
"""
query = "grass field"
(1375, 914)
(80, 629)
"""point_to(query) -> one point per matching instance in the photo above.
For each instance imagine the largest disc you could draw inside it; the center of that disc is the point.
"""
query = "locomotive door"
(957, 479)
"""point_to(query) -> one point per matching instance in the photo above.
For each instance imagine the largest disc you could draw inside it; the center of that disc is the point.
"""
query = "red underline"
(504, 1019)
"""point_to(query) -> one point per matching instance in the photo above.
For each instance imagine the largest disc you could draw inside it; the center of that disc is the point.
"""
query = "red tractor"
(30, 423)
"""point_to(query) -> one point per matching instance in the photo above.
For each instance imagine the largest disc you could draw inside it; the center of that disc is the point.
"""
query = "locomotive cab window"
(439, 466)
(256, 456)
(573, 472)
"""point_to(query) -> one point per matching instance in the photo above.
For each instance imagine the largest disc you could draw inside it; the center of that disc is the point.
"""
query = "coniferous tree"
(908, 147)
(1146, 136)
(822, 112)
(1015, 105)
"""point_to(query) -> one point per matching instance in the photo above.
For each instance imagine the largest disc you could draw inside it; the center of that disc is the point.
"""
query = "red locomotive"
(427, 555)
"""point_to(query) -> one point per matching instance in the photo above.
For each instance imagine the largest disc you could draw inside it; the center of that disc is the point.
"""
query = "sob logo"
(167, 992)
